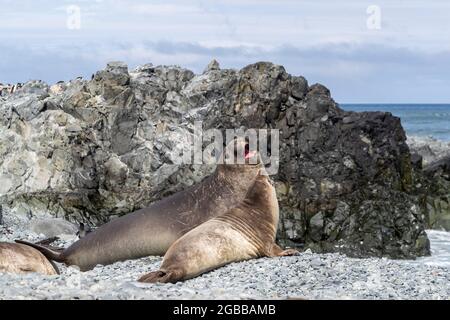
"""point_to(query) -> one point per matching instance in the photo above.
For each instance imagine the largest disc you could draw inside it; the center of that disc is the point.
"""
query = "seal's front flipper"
(153, 277)
(288, 252)
(161, 277)
(278, 252)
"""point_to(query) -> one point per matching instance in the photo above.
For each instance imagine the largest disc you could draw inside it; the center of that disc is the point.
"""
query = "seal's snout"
(241, 152)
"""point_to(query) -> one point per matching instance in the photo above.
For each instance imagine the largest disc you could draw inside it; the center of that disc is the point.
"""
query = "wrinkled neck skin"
(263, 199)
(256, 217)
(239, 178)
(226, 188)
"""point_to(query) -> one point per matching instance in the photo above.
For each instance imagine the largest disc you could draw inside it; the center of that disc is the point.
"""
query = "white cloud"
(326, 40)
(163, 9)
(411, 24)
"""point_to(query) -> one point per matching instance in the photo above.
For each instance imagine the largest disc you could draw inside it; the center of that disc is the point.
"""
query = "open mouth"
(248, 154)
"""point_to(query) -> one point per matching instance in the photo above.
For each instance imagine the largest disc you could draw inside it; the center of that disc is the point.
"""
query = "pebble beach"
(307, 275)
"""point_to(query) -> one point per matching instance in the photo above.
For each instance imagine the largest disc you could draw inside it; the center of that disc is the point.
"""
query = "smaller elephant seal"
(245, 232)
(20, 258)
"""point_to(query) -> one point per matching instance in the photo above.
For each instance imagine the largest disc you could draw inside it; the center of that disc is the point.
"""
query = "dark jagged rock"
(105, 147)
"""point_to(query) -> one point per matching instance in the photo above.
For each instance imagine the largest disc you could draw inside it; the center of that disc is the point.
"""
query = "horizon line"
(391, 103)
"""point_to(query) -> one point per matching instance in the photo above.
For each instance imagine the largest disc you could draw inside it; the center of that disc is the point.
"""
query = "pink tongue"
(250, 154)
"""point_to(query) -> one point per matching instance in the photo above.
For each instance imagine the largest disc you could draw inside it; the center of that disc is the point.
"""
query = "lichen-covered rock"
(89, 151)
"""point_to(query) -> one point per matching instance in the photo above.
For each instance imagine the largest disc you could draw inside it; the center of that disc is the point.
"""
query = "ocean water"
(422, 120)
(440, 249)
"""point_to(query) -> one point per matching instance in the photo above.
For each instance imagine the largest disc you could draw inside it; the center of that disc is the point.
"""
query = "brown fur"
(19, 258)
(245, 232)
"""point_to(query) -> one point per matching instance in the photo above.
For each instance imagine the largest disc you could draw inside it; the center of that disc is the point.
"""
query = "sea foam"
(430, 148)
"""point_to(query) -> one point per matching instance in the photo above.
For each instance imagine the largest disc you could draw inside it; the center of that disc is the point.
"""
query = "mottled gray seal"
(152, 230)
(20, 258)
(245, 232)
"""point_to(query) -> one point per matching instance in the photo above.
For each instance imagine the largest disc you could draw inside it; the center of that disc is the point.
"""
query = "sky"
(378, 51)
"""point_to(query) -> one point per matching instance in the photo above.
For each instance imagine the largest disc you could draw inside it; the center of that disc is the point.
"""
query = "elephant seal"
(20, 258)
(152, 230)
(245, 232)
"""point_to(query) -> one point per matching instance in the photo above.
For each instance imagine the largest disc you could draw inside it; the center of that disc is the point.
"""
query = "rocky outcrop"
(89, 151)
